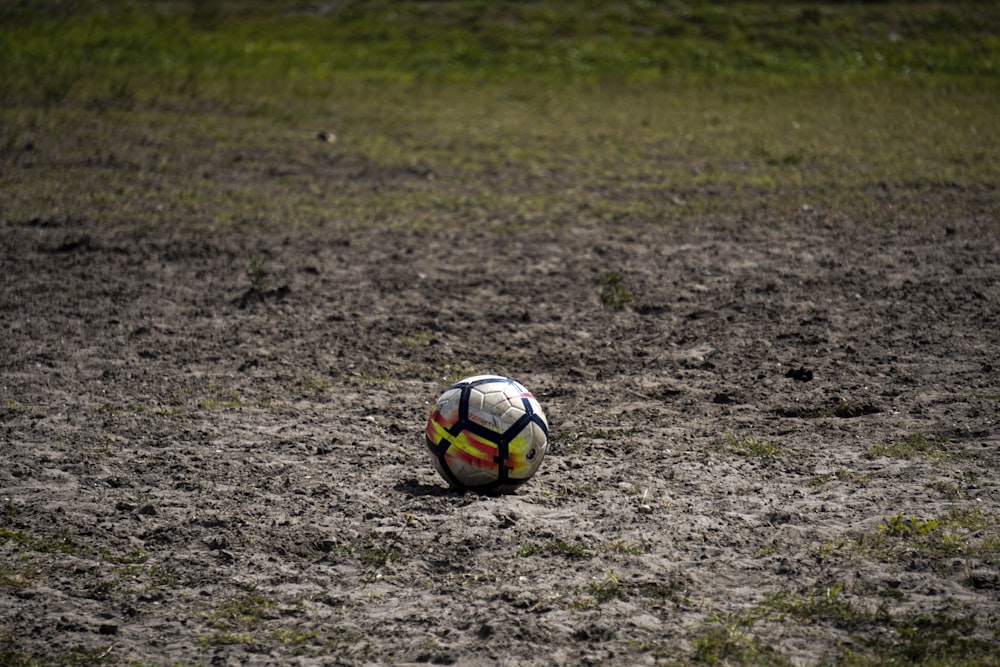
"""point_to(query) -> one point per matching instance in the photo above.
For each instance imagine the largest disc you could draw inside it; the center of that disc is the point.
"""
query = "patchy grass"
(751, 447)
(890, 638)
(824, 603)
(881, 636)
(934, 639)
(581, 154)
(672, 590)
(246, 611)
(625, 548)
(59, 542)
(609, 587)
(311, 386)
(368, 378)
(579, 116)
(614, 294)
(841, 475)
(847, 408)
(966, 531)
(378, 554)
(222, 399)
(571, 550)
(727, 640)
(78, 656)
(911, 446)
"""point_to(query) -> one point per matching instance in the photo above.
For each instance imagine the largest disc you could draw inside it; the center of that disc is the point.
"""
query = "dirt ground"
(213, 450)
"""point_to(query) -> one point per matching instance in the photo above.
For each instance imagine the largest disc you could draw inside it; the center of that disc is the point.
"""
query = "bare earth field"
(774, 440)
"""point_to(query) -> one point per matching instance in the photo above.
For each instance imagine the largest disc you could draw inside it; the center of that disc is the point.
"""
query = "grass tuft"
(613, 293)
(912, 446)
(59, 542)
(751, 447)
(727, 640)
(571, 550)
(246, 611)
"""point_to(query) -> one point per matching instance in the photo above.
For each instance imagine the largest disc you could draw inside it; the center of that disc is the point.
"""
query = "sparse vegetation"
(613, 293)
(911, 446)
(59, 542)
(571, 550)
(964, 531)
(257, 273)
(607, 588)
(221, 399)
(377, 554)
(246, 611)
(751, 447)
(627, 548)
(726, 640)
(610, 585)
(312, 386)
(368, 378)
(825, 602)
(841, 475)
(920, 639)
(847, 408)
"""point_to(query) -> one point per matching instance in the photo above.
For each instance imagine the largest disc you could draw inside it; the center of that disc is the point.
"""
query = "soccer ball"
(487, 434)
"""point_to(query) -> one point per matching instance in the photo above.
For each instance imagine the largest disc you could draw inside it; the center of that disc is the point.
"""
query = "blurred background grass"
(503, 114)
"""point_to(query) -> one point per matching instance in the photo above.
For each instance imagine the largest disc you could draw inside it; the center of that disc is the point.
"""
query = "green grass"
(232, 399)
(379, 554)
(614, 294)
(477, 40)
(247, 611)
(842, 475)
(571, 550)
(825, 603)
(78, 656)
(562, 154)
(59, 542)
(311, 386)
(890, 638)
(572, 113)
(912, 446)
(225, 639)
(881, 636)
(625, 548)
(965, 531)
(727, 640)
(671, 590)
(751, 447)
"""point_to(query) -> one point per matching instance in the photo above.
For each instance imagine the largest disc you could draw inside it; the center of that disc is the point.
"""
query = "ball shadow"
(414, 488)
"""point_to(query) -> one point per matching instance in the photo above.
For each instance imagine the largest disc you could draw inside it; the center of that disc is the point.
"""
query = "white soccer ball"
(488, 434)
